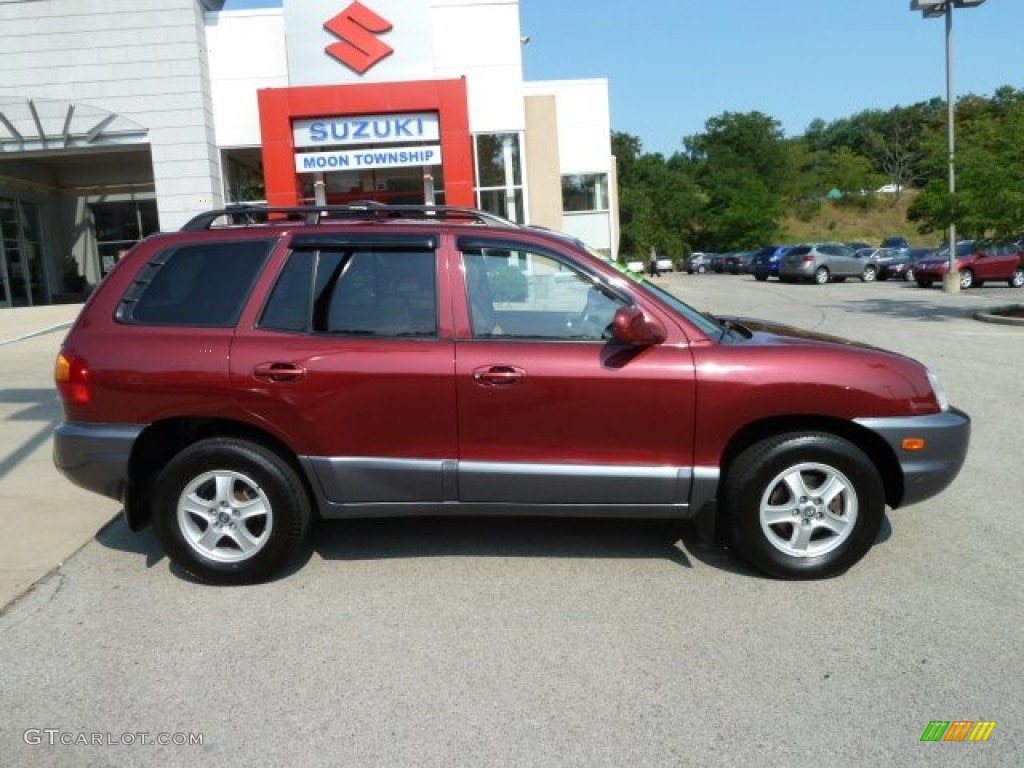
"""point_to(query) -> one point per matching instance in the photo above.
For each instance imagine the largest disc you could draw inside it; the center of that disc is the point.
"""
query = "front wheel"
(821, 275)
(924, 283)
(909, 275)
(230, 511)
(966, 279)
(869, 274)
(803, 506)
(760, 278)
(1017, 280)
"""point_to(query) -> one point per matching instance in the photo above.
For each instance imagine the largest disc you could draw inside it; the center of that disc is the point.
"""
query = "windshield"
(963, 248)
(699, 319)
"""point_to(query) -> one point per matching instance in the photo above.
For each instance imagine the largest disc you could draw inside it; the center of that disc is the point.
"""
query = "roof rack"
(244, 215)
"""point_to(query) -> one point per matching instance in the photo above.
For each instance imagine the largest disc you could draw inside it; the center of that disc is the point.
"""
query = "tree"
(742, 166)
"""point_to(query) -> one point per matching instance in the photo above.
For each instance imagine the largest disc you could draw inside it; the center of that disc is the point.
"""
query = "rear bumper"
(95, 456)
(927, 472)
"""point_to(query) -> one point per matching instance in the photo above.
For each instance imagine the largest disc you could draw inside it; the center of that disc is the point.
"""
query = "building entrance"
(23, 280)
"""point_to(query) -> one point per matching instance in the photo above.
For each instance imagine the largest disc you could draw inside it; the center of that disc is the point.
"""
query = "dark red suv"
(262, 367)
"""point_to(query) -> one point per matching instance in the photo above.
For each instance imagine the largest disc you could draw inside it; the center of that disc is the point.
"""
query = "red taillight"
(72, 378)
(809, 258)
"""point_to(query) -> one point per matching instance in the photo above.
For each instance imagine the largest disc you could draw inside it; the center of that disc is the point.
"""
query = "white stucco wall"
(584, 122)
(247, 52)
(144, 59)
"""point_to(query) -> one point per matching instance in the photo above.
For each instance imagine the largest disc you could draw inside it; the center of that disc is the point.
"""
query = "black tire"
(924, 283)
(836, 533)
(870, 274)
(821, 275)
(1017, 280)
(966, 279)
(760, 278)
(243, 495)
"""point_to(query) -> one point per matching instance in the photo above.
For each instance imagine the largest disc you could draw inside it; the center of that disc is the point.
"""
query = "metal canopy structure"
(32, 126)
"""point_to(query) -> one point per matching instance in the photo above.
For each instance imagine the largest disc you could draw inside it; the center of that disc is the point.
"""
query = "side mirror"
(631, 326)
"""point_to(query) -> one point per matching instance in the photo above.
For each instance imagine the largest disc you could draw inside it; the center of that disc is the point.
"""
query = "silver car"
(826, 262)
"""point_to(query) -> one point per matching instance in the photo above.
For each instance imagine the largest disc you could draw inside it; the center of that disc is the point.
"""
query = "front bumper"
(929, 471)
(95, 456)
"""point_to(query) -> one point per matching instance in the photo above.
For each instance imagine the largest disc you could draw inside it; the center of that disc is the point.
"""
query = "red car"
(228, 384)
(977, 262)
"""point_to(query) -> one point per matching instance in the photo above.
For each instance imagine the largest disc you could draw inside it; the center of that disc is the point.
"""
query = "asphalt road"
(564, 643)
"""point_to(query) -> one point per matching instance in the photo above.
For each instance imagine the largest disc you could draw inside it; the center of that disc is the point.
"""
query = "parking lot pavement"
(43, 518)
(553, 642)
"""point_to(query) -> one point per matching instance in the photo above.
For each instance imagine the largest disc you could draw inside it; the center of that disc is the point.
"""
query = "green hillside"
(867, 219)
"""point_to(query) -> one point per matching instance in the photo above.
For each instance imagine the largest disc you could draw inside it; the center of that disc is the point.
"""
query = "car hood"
(766, 332)
(933, 262)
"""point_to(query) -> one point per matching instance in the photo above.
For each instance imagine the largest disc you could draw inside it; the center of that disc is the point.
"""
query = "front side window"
(356, 292)
(523, 294)
(204, 285)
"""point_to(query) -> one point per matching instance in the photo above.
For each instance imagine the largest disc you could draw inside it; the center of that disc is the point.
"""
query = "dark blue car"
(765, 261)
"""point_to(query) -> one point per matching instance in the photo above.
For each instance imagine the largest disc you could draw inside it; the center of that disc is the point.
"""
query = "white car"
(635, 265)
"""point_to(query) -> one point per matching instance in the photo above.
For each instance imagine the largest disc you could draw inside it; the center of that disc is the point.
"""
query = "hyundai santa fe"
(264, 367)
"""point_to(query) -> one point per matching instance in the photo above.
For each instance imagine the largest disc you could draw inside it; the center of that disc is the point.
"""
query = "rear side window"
(357, 292)
(204, 285)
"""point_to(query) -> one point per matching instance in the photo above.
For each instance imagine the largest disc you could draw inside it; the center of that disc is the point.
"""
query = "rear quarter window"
(202, 285)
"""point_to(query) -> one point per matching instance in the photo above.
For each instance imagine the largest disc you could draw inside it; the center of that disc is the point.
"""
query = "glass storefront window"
(585, 192)
(23, 280)
(118, 226)
(394, 186)
(499, 174)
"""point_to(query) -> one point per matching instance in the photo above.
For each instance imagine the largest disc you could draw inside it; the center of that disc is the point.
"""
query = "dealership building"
(119, 118)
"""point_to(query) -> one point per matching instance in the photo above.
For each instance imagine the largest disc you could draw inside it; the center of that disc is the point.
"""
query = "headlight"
(940, 393)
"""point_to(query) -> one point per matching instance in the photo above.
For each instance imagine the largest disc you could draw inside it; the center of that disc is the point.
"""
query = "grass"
(866, 219)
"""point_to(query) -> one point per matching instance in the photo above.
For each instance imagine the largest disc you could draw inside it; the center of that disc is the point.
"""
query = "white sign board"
(364, 159)
(366, 129)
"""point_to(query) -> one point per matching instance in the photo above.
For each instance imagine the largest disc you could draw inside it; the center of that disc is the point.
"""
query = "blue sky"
(673, 64)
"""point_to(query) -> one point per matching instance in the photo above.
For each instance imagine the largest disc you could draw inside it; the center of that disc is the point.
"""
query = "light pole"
(933, 9)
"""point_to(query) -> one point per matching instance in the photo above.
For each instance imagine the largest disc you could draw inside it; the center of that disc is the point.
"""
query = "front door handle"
(279, 372)
(498, 375)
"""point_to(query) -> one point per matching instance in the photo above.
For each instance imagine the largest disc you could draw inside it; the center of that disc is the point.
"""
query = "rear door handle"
(279, 372)
(498, 375)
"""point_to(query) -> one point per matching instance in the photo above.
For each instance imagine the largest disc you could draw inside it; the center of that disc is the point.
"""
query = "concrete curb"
(33, 334)
(993, 316)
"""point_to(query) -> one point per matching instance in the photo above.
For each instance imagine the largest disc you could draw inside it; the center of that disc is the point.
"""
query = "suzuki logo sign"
(359, 48)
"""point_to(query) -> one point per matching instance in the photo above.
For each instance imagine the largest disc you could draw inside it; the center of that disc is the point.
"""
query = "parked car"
(697, 263)
(765, 261)
(895, 241)
(738, 263)
(977, 262)
(857, 245)
(636, 265)
(666, 264)
(229, 384)
(901, 266)
(825, 262)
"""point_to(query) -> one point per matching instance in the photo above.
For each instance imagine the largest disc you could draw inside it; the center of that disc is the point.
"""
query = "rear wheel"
(924, 283)
(760, 278)
(821, 275)
(869, 274)
(1017, 280)
(966, 279)
(803, 506)
(230, 511)
(908, 275)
